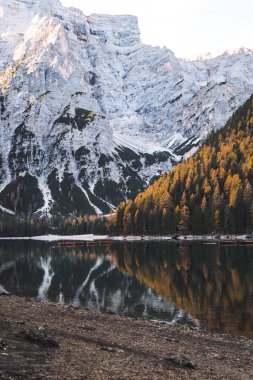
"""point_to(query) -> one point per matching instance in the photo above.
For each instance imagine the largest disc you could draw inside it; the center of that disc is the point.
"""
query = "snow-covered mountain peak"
(227, 53)
(242, 50)
(33, 5)
(89, 115)
(26, 9)
(122, 30)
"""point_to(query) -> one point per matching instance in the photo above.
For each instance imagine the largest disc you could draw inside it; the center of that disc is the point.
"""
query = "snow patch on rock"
(84, 91)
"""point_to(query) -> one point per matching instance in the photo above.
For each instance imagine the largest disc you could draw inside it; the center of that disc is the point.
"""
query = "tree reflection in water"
(213, 283)
(180, 283)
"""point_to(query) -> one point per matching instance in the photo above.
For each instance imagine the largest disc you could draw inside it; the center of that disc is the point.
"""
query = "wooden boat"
(228, 242)
(91, 243)
(236, 242)
(67, 244)
(71, 244)
(246, 242)
(105, 242)
(100, 243)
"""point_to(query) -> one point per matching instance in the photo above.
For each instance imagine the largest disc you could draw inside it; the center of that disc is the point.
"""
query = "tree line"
(56, 225)
(212, 191)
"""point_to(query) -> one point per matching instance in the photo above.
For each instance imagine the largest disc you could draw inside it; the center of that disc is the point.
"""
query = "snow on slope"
(89, 114)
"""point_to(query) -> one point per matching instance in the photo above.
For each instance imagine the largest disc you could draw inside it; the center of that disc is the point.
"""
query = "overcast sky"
(188, 27)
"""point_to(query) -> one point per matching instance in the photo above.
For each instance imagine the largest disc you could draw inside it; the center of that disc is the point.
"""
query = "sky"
(188, 27)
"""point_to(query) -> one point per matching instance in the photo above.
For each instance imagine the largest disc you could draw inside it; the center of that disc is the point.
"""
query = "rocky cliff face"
(89, 115)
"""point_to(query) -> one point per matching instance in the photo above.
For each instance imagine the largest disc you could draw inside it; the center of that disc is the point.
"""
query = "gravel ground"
(42, 340)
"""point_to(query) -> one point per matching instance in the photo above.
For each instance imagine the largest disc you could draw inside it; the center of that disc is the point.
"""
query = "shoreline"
(132, 238)
(85, 344)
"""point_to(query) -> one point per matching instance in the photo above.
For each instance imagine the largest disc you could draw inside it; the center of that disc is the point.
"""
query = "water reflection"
(77, 300)
(212, 283)
(178, 283)
(84, 276)
(45, 265)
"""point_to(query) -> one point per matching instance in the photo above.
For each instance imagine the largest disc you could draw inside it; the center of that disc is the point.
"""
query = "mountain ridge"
(89, 115)
(212, 191)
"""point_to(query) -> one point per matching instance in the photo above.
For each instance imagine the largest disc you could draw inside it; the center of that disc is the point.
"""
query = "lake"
(192, 284)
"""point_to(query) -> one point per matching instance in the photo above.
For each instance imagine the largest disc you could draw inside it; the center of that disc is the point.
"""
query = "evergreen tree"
(211, 191)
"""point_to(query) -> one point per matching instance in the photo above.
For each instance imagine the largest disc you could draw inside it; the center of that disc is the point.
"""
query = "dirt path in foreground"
(94, 346)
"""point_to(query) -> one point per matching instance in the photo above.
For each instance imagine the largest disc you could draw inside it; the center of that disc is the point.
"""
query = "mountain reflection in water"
(183, 283)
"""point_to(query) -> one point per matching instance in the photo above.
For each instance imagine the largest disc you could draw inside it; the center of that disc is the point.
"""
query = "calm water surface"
(192, 283)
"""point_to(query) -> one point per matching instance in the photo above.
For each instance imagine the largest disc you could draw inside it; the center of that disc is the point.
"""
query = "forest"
(56, 225)
(210, 192)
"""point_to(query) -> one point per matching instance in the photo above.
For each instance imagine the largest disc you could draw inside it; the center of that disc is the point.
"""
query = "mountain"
(211, 191)
(90, 116)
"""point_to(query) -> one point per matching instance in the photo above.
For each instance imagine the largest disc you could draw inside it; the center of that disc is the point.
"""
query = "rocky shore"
(42, 340)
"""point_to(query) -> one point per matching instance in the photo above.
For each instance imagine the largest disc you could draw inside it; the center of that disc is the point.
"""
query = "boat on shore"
(246, 242)
(228, 242)
(235, 242)
(67, 244)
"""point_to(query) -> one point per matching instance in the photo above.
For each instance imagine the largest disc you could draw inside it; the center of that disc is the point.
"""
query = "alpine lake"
(194, 284)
